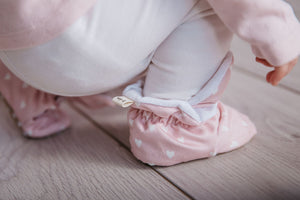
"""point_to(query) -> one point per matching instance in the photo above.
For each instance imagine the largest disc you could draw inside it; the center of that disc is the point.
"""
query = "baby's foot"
(35, 111)
(167, 136)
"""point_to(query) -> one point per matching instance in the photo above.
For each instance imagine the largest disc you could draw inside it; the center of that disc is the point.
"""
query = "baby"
(58, 49)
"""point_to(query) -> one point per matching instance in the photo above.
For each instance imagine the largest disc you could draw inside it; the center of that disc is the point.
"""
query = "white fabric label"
(123, 101)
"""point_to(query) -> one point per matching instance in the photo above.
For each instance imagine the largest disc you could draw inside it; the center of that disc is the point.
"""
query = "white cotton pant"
(180, 42)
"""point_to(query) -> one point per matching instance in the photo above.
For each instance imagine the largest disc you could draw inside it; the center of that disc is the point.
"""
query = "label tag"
(122, 101)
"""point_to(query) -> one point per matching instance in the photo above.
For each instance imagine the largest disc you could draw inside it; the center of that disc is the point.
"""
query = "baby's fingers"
(275, 76)
(264, 62)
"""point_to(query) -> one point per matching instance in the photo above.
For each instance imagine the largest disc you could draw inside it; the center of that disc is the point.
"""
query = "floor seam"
(82, 113)
(252, 74)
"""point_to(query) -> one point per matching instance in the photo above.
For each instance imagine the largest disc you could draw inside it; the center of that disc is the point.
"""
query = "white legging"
(182, 43)
(189, 57)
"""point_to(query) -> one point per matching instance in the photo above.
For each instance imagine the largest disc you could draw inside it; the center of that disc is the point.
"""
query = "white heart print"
(138, 143)
(151, 127)
(234, 144)
(170, 154)
(181, 139)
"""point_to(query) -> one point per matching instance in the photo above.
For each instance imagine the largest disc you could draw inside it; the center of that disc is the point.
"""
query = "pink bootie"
(37, 112)
(167, 132)
(167, 136)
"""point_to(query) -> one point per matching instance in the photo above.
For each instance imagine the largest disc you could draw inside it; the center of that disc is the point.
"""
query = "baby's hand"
(275, 76)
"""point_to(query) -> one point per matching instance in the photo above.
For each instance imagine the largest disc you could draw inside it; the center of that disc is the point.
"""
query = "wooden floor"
(92, 160)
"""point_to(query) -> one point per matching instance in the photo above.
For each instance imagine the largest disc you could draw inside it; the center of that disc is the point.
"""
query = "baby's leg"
(188, 58)
(177, 116)
(37, 112)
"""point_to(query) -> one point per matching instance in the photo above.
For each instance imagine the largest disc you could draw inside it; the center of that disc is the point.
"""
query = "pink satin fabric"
(176, 138)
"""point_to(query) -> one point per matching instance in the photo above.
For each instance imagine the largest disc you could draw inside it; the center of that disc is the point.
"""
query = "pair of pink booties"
(161, 134)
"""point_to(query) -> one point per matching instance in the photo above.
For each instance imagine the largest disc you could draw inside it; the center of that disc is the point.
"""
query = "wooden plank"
(267, 168)
(81, 163)
(296, 6)
(245, 59)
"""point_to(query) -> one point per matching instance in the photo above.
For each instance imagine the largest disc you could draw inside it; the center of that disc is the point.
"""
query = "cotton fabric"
(181, 46)
(115, 42)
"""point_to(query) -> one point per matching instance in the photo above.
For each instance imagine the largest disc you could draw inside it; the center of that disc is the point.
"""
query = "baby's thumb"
(277, 74)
